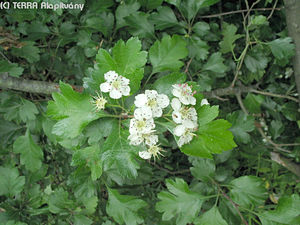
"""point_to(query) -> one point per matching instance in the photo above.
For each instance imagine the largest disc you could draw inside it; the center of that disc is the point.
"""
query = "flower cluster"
(149, 105)
(184, 115)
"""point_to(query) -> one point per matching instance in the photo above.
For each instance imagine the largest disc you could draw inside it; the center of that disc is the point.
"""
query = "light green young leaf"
(31, 153)
(11, 183)
(73, 110)
(248, 190)
(286, 212)
(229, 37)
(163, 18)
(59, 202)
(139, 25)
(179, 202)
(11, 68)
(166, 55)
(124, 208)
(241, 125)
(282, 49)
(207, 113)
(215, 63)
(211, 217)
(28, 52)
(164, 84)
(210, 138)
(123, 10)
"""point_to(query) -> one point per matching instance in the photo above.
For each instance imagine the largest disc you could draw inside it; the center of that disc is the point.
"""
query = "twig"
(235, 205)
(169, 171)
(273, 9)
(240, 11)
(187, 69)
(274, 95)
(289, 144)
(293, 167)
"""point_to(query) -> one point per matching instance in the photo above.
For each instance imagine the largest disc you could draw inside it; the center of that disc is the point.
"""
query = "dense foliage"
(74, 158)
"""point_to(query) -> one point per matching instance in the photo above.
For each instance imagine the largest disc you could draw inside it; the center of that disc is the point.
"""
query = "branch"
(240, 11)
(293, 24)
(293, 167)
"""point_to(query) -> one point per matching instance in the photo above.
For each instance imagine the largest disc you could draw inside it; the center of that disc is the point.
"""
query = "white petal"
(189, 124)
(156, 112)
(145, 155)
(179, 130)
(176, 105)
(152, 139)
(124, 80)
(192, 100)
(176, 91)
(111, 76)
(125, 90)
(140, 100)
(204, 102)
(144, 112)
(105, 87)
(151, 94)
(115, 94)
(176, 116)
(163, 101)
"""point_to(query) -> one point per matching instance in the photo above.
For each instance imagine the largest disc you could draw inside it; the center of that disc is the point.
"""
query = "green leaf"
(123, 10)
(139, 25)
(229, 37)
(207, 113)
(27, 110)
(118, 155)
(210, 138)
(89, 156)
(103, 22)
(276, 128)
(201, 29)
(31, 153)
(59, 202)
(28, 52)
(253, 102)
(286, 212)
(197, 48)
(179, 202)
(211, 217)
(202, 168)
(73, 110)
(248, 190)
(150, 4)
(124, 208)
(11, 68)
(11, 183)
(241, 125)
(290, 111)
(282, 49)
(81, 219)
(215, 63)
(164, 84)
(166, 55)
(127, 60)
(256, 61)
(163, 18)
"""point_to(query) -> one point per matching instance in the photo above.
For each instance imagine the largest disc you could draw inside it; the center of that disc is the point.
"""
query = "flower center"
(100, 103)
(140, 124)
(116, 84)
(152, 103)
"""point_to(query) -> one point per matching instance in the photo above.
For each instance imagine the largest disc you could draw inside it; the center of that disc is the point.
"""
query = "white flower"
(139, 138)
(141, 126)
(153, 101)
(116, 85)
(99, 102)
(186, 134)
(204, 102)
(183, 114)
(143, 113)
(153, 150)
(184, 93)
